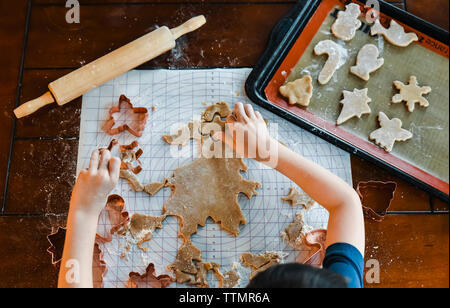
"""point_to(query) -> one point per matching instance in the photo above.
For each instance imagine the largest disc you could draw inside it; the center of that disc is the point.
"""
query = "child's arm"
(88, 199)
(346, 223)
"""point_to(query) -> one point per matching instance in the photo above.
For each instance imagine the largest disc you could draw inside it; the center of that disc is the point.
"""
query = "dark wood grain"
(412, 250)
(24, 257)
(234, 36)
(435, 11)
(12, 29)
(51, 121)
(407, 197)
(42, 176)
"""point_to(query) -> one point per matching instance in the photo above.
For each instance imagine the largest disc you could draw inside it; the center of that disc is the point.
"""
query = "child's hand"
(247, 134)
(94, 184)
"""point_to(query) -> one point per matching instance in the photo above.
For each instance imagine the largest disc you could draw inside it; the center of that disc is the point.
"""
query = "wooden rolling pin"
(102, 70)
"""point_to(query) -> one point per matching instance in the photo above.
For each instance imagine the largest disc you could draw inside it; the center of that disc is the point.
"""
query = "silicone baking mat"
(178, 97)
(426, 156)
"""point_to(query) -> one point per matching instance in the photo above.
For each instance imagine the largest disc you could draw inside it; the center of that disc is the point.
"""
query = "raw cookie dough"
(259, 263)
(184, 134)
(231, 279)
(132, 180)
(347, 22)
(335, 57)
(354, 104)
(294, 234)
(221, 108)
(299, 91)
(297, 198)
(141, 228)
(209, 188)
(153, 188)
(411, 94)
(395, 34)
(367, 62)
(189, 268)
(390, 132)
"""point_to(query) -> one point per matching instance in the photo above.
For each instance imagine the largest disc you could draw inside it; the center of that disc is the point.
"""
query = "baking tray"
(423, 160)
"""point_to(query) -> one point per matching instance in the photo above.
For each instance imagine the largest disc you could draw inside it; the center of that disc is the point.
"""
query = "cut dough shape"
(390, 132)
(141, 228)
(209, 188)
(354, 104)
(335, 57)
(411, 94)
(153, 188)
(189, 268)
(395, 35)
(231, 279)
(294, 233)
(184, 134)
(367, 62)
(149, 279)
(297, 198)
(221, 108)
(132, 180)
(299, 91)
(135, 125)
(258, 262)
(347, 22)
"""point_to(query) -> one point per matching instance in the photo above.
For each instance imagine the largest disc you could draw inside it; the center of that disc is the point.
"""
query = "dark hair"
(296, 275)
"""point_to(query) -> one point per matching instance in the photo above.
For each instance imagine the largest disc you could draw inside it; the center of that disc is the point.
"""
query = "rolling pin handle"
(31, 106)
(189, 26)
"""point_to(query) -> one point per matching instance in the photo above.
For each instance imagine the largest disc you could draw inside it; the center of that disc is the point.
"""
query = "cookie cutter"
(118, 216)
(57, 240)
(149, 279)
(316, 238)
(376, 198)
(137, 125)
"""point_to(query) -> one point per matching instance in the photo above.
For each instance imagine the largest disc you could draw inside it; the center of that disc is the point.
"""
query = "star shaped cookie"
(355, 104)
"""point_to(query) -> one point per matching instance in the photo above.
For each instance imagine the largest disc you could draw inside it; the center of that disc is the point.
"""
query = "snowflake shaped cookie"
(411, 94)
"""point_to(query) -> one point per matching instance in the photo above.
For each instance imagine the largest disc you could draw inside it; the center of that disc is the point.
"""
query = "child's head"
(295, 275)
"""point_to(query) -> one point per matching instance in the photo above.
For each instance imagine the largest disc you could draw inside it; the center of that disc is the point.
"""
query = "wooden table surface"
(38, 154)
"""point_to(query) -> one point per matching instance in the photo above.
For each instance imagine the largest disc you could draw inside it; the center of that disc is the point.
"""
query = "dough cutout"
(411, 94)
(297, 198)
(189, 268)
(299, 91)
(367, 62)
(209, 188)
(149, 279)
(153, 188)
(221, 108)
(260, 262)
(132, 180)
(131, 119)
(347, 22)
(184, 134)
(355, 104)
(295, 233)
(395, 35)
(335, 57)
(390, 132)
(141, 228)
(230, 279)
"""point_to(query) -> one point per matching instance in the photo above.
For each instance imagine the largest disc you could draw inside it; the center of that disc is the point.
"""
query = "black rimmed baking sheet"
(423, 160)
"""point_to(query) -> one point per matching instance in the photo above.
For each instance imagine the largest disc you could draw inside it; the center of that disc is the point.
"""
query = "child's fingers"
(250, 112)
(93, 163)
(104, 159)
(240, 113)
(259, 116)
(114, 168)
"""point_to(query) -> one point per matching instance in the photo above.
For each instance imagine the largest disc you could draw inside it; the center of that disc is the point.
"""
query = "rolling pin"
(106, 68)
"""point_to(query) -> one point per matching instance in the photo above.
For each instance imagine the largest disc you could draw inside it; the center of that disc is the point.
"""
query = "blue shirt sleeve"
(345, 259)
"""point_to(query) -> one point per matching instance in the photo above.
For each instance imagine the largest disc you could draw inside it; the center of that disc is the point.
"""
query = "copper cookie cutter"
(376, 198)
